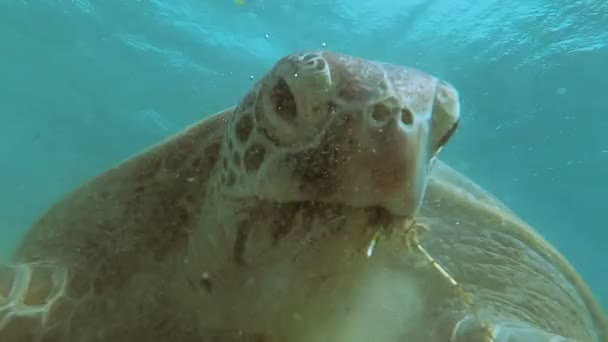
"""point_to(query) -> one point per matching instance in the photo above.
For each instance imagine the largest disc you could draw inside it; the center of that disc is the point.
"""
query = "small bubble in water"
(324, 44)
(250, 77)
(267, 35)
(295, 75)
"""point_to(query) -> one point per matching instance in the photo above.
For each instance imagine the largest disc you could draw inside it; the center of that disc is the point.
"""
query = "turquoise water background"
(86, 84)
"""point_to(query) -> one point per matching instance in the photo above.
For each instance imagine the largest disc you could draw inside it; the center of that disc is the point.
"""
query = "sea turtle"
(295, 216)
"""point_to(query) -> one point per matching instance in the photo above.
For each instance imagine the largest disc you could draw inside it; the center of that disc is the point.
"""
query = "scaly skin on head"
(320, 149)
(323, 130)
(331, 128)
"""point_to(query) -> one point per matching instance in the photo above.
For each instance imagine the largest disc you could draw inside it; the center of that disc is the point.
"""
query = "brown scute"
(54, 334)
(210, 154)
(165, 214)
(41, 286)
(150, 168)
(140, 313)
(243, 128)
(174, 225)
(113, 273)
(79, 283)
(7, 279)
(146, 215)
(284, 101)
(22, 328)
(182, 154)
(254, 156)
(59, 311)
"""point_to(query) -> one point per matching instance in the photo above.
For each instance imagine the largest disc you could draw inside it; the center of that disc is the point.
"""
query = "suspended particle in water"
(267, 35)
(323, 44)
(250, 77)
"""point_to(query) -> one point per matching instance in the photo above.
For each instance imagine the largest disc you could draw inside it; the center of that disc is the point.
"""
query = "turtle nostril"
(313, 61)
(407, 117)
(321, 64)
(381, 113)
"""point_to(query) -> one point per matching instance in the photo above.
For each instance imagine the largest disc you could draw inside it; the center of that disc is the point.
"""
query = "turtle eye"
(444, 139)
(283, 101)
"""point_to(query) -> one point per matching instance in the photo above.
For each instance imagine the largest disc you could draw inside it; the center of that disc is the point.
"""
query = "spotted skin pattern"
(252, 225)
(328, 127)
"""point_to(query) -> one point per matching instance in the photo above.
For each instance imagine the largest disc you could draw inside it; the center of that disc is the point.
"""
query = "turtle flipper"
(521, 332)
(32, 301)
(470, 329)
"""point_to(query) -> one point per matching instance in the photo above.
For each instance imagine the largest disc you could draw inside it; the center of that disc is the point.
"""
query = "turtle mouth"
(295, 226)
(383, 217)
(346, 225)
(371, 216)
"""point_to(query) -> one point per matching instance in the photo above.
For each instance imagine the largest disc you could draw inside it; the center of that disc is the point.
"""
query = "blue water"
(85, 84)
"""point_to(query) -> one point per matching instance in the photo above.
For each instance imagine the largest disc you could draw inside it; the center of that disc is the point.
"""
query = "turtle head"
(331, 128)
